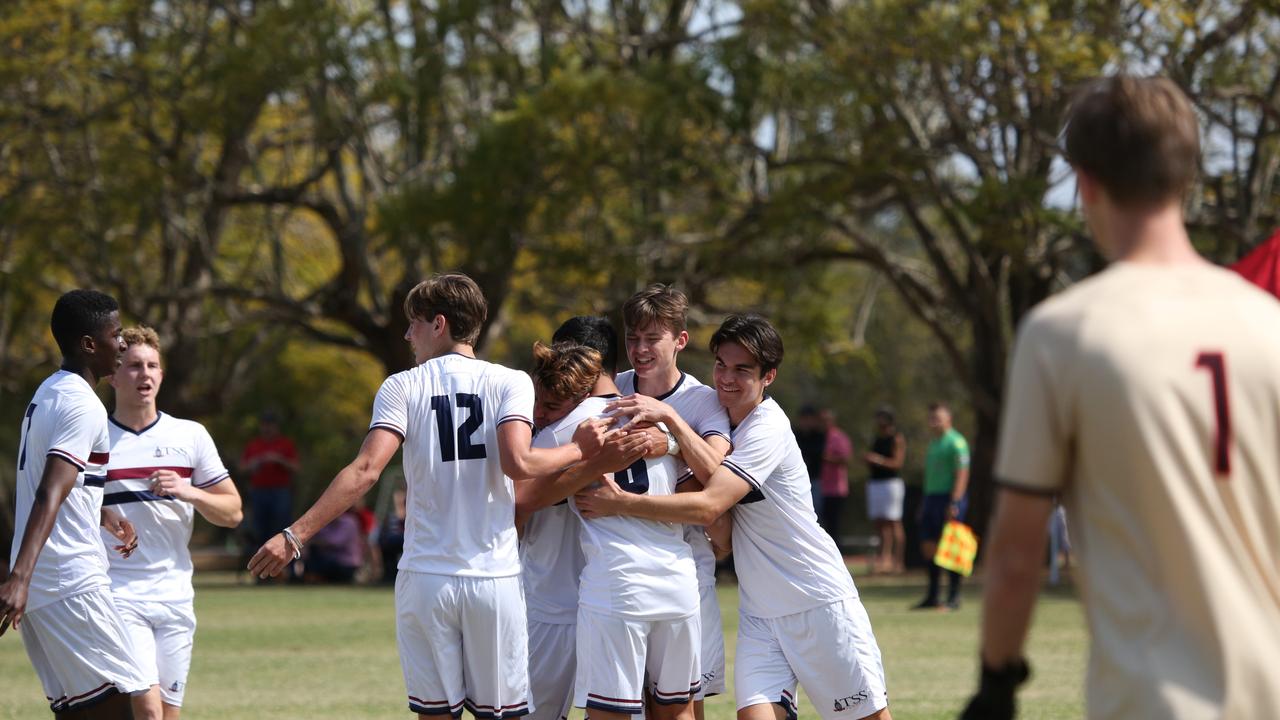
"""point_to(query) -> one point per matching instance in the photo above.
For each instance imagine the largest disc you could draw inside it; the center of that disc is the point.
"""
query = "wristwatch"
(673, 446)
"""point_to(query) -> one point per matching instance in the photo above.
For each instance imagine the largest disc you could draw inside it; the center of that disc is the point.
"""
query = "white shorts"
(884, 499)
(614, 653)
(81, 652)
(830, 650)
(712, 656)
(163, 634)
(552, 649)
(463, 643)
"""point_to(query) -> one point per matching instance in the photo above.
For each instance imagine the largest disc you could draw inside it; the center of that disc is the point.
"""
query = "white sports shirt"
(64, 419)
(461, 508)
(160, 569)
(698, 406)
(636, 569)
(786, 563)
(551, 549)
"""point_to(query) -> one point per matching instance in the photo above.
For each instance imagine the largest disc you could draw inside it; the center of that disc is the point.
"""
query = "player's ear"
(769, 377)
(682, 340)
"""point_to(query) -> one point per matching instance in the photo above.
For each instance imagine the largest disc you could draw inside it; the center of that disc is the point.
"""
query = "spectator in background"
(391, 537)
(836, 451)
(336, 553)
(270, 460)
(946, 482)
(812, 439)
(886, 491)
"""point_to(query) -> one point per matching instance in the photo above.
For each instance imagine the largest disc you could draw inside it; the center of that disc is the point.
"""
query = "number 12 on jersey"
(464, 449)
(1216, 364)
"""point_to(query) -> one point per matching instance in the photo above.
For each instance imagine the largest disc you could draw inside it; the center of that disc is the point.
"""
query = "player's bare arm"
(353, 481)
(722, 491)
(55, 485)
(121, 529)
(218, 503)
(720, 533)
(522, 462)
(619, 451)
(1015, 553)
(702, 455)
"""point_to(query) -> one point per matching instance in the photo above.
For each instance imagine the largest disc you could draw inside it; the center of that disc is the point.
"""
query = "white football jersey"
(698, 406)
(551, 549)
(160, 569)
(461, 508)
(636, 569)
(786, 563)
(64, 419)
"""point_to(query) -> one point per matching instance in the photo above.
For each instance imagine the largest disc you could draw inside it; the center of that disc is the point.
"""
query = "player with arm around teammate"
(162, 471)
(799, 616)
(1147, 397)
(58, 589)
(465, 425)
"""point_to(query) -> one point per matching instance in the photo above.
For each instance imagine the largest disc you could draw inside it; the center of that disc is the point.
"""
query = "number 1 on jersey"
(1216, 364)
(22, 453)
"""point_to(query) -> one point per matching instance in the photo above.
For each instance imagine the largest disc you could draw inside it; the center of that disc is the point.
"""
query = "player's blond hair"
(565, 370)
(141, 335)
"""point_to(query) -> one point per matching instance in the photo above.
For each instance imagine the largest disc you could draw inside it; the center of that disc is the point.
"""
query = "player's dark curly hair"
(79, 313)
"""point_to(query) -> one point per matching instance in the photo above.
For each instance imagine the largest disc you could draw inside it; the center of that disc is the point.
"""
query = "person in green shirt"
(946, 480)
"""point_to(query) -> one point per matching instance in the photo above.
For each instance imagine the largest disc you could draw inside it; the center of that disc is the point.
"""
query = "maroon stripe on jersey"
(141, 473)
(99, 458)
(68, 457)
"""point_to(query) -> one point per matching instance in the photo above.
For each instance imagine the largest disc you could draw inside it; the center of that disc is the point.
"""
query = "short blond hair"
(141, 335)
(661, 304)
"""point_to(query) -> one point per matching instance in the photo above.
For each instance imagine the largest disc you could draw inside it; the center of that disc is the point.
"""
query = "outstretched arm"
(522, 462)
(619, 452)
(348, 485)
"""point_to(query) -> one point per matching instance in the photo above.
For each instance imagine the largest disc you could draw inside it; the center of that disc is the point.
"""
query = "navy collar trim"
(126, 428)
(673, 389)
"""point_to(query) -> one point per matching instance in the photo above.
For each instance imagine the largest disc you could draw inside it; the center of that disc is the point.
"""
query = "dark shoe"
(953, 604)
(927, 604)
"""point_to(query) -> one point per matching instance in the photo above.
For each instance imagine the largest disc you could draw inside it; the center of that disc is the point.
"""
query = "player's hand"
(274, 556)
(620, 450)
(167, 483)
(874, 458)
(13, 602)
(603, 500)
(996, 699)
(657, 440)
(641, 408)
(122, 530)
(953, 511)
(591, 435)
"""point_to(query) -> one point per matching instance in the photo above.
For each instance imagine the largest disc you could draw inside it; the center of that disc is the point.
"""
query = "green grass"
(289, 652)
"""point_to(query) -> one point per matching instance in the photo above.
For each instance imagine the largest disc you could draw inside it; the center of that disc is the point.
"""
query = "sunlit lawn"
(314, 652)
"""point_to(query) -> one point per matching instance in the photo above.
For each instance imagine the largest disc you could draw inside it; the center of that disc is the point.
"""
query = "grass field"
(315, 652)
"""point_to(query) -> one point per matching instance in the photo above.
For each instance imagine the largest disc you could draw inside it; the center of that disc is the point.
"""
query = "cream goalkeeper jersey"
(1149, 397)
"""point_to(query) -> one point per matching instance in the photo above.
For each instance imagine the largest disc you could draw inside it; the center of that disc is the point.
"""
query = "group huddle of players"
(562, 525)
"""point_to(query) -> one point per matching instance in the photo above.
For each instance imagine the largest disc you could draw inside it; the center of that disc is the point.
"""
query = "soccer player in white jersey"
(800, 619)
(162, 471)
(58, 589)
(466, 427)
(637, 599)
(1147, 397)
(659, 392)
(551, 543)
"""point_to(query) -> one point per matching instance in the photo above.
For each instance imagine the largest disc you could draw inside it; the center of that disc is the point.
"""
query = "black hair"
(885, 411)
(78, 313)
(754, 333)
(594, 332)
